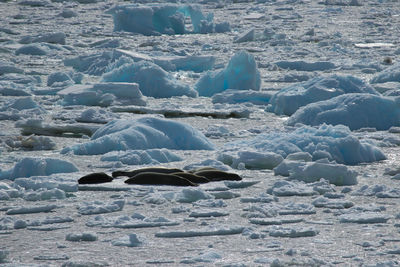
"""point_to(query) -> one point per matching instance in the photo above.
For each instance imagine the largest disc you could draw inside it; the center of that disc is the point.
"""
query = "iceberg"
(291, 98)
(142, 133)
(152, 79)
(353, 110)
(241, 74)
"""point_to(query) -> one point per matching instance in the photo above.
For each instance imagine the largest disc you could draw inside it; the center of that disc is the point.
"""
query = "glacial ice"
(152, 79)
(336, 141)
(241, 74)
(142, 133)
(103, 94)
(353, 110)
(291, 98)
(130, 240)
(28, 167)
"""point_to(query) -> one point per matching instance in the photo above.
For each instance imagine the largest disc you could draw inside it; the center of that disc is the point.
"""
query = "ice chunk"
(57, 78)
(291, 98)
(29, 210)
(313, 171)
(305, 66)
(338, 141)
(142, 157)
(241, 73)
(209, 231)
(9, 88)
(353, 110)
(147, 20)
(142, 133)
(18, 108)
(81, 237)
(364, 217)
(6, 67)
(54, 38)
(252, 159)
(36, 49)
(295, 232)
(152, 79)
(246, 37)
(27, 167)
(231, 96)
(103, 94)
(130, 240)
(192, 195)
(391, 74)
(98, 207)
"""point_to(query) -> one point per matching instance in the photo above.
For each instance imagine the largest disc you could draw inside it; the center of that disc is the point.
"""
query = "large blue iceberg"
(353, 110)
(334, 142)
(159, 19)
(142, 133)
(291, 98)
(153, 80)
(241, 74)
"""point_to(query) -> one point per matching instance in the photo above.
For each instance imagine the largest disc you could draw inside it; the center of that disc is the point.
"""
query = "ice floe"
(134, 221)
(206, 231)
(99, 207)
(28, 167)
(103, 94)
(142, 133)
(337, 142)
(309, 172)
(291, 98)
(353, 110)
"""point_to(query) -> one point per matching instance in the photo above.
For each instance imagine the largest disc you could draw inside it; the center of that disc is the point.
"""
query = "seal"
(95, 178)
(155, 178)
(150, 169)
(217, 175)
(192, 177)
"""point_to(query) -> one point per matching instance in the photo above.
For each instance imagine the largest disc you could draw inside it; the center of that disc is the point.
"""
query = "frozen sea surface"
(312, 194)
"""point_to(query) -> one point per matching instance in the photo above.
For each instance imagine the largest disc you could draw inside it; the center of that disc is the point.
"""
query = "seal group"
(163, 176)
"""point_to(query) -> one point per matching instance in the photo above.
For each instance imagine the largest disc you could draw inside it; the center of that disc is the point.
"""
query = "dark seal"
(95, 178)
(150, 169)
(155, 178)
